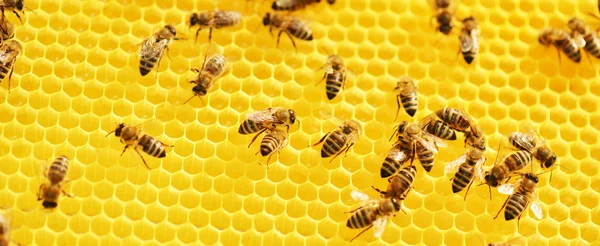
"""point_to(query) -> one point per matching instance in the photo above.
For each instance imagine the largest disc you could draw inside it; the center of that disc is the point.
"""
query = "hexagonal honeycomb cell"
(78, 76)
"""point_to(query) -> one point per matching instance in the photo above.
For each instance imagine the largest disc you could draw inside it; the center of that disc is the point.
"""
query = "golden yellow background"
(78, 75)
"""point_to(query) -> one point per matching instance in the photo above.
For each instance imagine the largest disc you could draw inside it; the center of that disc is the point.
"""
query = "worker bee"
(372, 213)
(475, 137)
(288, 25)
(4, 231)
(9, 51)
(396, 157)
(262, 120)
(341, 139)
(503, 169)
(522, 195)
(562, 41)
(213, 68)
(214, 19)
(55, 174)
(422, 144)
(407, 94)
(133, 137)
(440, 129)
(272, 143)
(153, 48)
(335, 75)
(586, 39)
(459, 121)
(399, 184)
(469, 39)
(466, 168)
(15, 6)
(444, 15)
(534, 144)
(292, 5)
(7, 30)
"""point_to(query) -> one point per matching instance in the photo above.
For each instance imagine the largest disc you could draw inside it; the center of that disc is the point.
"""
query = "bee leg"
(503, 206)
(320, 81)
(144, 160)
(468, 187)
(399, 106)
(67, 194)
(354, 210)
(256, 136)
(43, 186)
(347, 149)
(10, 74)
(363, 231)
(124, 149)
(18, 16)
(292, 39)
(197, 32)
(414, 153)
(380, 191)
(209, 35)
(320, 141)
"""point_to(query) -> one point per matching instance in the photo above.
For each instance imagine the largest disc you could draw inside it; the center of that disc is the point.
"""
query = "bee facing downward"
(133, 137)
(469, 39)
(562, 41)
(466, 168)
(214, 19)
(9, 52)
(213, 68)
(272, 143)
(288, 25)
(55, 174)
(335, 75)
(341, 139)
(522, 195)
(153, 48)
(407, 93)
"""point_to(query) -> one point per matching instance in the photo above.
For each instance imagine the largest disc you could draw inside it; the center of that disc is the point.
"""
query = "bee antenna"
(109, 132)
(186, 101)
(394, 132)
(30, 10)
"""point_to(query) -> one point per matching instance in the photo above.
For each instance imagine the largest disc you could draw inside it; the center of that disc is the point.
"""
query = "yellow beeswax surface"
(78, 75)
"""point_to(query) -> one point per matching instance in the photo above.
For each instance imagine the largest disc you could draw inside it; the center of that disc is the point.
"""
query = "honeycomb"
(78, 76)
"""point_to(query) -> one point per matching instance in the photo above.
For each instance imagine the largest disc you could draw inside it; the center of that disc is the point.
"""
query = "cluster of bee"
(580, 36)
(9, 49)
(469, 34)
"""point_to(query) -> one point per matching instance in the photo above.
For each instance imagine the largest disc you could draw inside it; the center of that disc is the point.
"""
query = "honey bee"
(55, 174)
(407, 94)
(335, 75)
(534, 144)
(133, 137)
(423, 145)
(466, 168)
(288, 25)
(9, 51)
(444, 15)
(7, 30)
(469, 39)
(440, 130)
(15, 6)
(4, 231)
(459, 121)
(291, 5)
(153, 48)
(475, 137)
(272, 143)
(372, 213)
(262, 120)
(562, 41)
(214, 19)
(503, 169)
(394, 160)
(213, 68)
(341, 139)
(522, 195)
(586, 39)
(399, 184)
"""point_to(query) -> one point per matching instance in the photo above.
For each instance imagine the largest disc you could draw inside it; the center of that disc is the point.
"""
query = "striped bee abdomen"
(58, 169)
(425, 156)
(4, 69)
(249, 127)
(518, 160)
(592, 45)
(152, 147)
(570, 48)
(269, 144)
(299, 30)
(441, 130)
(335, 81)
(146, 65)
(515, 206)
(361, 218)
(462, 178)
(409, 102)
(333, 144)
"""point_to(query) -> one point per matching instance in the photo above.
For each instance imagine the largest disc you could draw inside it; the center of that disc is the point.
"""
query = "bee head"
(194, 19)
(119, 129)
(490, 180)
(292, 116)
(267, 19)
(199, 90)
(49, 204)
(532, 177)
(331, 1)
(549, 161)
(446, 29)
(20, 5)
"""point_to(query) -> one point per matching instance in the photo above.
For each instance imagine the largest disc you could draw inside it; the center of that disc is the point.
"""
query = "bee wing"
(438, 142)
(398, 153)
(379, 226)
(466, 42)
(536, 208)
(266, 115)
(453, 165)
(506, 189)
(331, 117)
(578, 39)
(360, 196)
(521, 140)
(479, 168)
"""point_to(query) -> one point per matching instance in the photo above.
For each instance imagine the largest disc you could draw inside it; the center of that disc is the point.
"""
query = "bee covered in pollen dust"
(341, 139)
(55, 174)
(133, 137)
(289, 25)
(469, 39)
(407, 94)
(522, 194)
(154, 47)
(213, 68)
(261, 120)
(562, 41)
(214, 19)
(372, 213)
(9, 52)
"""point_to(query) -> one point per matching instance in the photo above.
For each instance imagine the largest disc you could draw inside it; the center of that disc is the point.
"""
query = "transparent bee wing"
(379, 226)
(453, 165)
(479, 168)
(433, 140)
(521, 139)
(266, 115)
(398, 154)
(536, 208)
(359, 196)
(331, 117)
(466, 42)
(506, 189)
